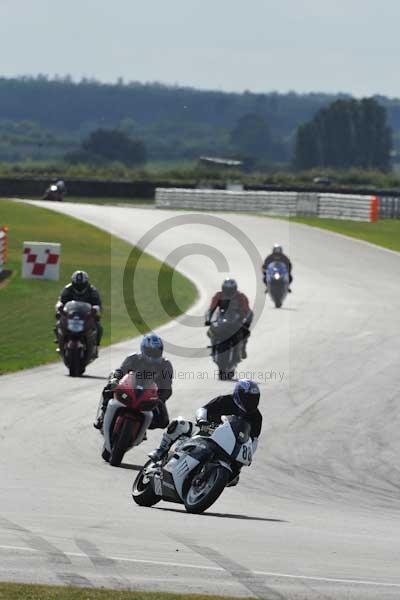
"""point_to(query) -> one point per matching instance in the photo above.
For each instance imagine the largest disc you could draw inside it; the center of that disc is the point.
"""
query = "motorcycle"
(226, 348)
(277, 281)
(77, 336)
(128, 416)
(197, 470)
(53, 192)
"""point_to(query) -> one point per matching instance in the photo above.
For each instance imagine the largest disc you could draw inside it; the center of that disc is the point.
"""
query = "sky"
(350, 46)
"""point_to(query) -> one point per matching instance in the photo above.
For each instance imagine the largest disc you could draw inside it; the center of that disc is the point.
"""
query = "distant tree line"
(47, 119)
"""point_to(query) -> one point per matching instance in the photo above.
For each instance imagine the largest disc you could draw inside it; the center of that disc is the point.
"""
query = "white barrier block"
(41, 260)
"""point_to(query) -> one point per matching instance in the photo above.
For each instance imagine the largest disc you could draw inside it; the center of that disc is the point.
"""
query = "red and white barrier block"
(3, 247)
(41, 260)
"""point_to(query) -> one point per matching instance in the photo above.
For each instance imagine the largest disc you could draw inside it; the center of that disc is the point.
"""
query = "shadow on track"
(93, 377)
(223, 515)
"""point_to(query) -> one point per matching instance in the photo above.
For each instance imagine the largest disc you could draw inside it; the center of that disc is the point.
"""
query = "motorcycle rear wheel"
(142, 490)
(199, 498)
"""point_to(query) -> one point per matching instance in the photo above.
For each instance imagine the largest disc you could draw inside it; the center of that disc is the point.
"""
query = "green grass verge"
(16, 591)
(384, 233)
(27, 306)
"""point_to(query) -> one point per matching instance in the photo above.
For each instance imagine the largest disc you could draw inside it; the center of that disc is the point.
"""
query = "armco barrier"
(335, 206)
(277, 203)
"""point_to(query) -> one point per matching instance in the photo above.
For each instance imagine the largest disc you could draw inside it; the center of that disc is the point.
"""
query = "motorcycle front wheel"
(120, 443)
(76, 368)
(205, 488)
(142, 490)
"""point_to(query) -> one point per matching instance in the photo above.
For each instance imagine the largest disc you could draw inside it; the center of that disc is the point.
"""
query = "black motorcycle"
(77, 336)
(227, 343)
(54, 192)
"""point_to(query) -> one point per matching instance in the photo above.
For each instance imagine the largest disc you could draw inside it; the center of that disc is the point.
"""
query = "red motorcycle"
(128, 416)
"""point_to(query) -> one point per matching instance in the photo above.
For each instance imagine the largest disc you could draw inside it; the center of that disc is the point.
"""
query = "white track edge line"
(220, 569)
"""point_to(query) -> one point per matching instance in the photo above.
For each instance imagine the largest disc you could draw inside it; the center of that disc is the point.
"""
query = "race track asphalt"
(317, 514)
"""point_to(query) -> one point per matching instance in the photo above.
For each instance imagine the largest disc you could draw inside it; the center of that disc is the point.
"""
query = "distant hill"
(175, 123)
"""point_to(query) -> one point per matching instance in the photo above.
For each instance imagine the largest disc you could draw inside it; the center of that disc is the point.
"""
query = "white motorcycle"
(198, 469)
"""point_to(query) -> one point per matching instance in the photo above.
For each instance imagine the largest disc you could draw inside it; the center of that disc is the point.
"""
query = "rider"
(81, 290)
(242, 403)
(229, 298)
(148, 365)
(277, 255)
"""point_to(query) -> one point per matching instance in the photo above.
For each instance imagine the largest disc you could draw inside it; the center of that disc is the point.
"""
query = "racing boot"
(177, 428)
(163, 448)
(98, 424)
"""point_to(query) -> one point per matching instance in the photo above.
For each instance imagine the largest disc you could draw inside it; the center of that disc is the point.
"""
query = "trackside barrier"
(41, 260)
(374, 209)
(3, 247)
(334, 206)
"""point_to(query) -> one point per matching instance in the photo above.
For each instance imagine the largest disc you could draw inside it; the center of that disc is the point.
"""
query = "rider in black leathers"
(243, 402)
(148, 365)
(81, 290)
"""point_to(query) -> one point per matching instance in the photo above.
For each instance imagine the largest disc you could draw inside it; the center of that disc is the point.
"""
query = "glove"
(117, 374)
(201, 417)
(113, 383)
(96, 311)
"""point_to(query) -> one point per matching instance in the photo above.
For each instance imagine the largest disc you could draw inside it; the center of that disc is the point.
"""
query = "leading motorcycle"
(197, 470)
(77, 336)
(128, 416)
(54, 192)
(277, 281)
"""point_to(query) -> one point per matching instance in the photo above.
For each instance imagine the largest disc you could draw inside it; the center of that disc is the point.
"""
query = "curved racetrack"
(315, 517)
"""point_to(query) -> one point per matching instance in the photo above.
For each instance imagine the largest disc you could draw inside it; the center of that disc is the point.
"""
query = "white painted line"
(365, 582)
(20, 548)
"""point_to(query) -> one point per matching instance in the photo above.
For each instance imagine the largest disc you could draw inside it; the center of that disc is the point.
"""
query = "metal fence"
(389, 207)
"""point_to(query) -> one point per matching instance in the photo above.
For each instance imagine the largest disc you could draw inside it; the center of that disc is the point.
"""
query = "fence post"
(374, 209)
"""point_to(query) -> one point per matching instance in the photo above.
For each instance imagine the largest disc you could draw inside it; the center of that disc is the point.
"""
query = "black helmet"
(277, 249)
(229, 288)
(246, 395)
(80, 281)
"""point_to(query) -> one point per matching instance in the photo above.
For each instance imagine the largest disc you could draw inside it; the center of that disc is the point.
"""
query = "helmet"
(152, 347)
(246, 395)
(277, 249)
(80, 281)
(229, 288)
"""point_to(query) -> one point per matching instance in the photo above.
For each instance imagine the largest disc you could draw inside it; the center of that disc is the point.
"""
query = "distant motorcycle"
(227, 347)
(77, 336)
(54, 192)
(198, 469)
(277, 280)
(128, 416)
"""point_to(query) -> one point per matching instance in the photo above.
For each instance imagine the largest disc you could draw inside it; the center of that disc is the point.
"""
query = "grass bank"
(16, 591)
(27, 306)
(384, 233)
